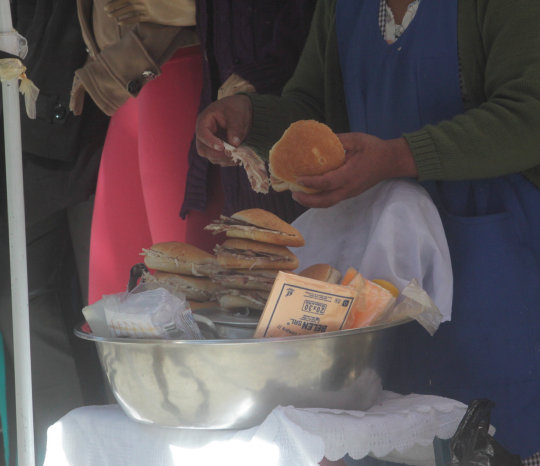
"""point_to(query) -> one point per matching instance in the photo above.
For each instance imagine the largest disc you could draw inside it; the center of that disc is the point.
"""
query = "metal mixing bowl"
(235, 383)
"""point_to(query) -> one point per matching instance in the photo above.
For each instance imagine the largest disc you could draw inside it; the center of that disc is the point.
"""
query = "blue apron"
(491, 348)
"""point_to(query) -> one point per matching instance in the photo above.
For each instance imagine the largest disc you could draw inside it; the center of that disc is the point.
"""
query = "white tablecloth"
(398, 428)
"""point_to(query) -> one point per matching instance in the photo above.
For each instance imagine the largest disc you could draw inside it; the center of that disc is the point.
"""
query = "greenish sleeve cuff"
(426, 156)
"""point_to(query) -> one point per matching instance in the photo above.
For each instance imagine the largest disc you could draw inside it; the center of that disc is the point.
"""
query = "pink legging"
(143, 175)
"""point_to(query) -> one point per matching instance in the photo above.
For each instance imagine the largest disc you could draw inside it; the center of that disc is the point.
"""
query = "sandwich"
(245, 279)
(258, 225)
(193, 288)
(178, 257)
(323, 272)
(251, 299)
(238, 253)
(307, 147)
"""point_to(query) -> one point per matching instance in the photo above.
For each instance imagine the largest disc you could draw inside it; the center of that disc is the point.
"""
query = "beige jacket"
(127, 42)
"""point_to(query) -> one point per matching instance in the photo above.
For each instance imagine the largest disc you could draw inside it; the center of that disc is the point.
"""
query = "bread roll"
(237, 253)
(178, 257)
(322, 272)
(258, 225)
(307, 147)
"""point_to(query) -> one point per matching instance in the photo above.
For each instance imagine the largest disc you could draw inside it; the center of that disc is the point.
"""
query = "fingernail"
(236, 140)
(217, 147)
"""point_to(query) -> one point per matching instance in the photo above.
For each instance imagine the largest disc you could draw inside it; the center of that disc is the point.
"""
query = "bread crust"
(178, 257)
(245, 279)
(322, 272)
(194, 288)
(307, 147)
(258, 225)
(239, 253)
(272, 229)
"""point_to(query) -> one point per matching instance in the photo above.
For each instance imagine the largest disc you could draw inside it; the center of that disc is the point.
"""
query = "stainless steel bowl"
(235, 383)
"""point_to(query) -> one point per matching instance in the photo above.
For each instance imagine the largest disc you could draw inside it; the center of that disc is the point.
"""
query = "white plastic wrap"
(145, 314)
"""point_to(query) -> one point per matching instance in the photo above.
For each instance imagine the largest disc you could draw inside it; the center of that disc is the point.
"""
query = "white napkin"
(398, 428)
(393, 231)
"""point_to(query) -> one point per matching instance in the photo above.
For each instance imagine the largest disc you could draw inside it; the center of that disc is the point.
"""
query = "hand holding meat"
(228, 119)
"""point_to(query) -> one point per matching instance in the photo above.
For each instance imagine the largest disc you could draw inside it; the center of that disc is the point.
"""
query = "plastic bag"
(414, 302)
(143, 314)
(472, 445)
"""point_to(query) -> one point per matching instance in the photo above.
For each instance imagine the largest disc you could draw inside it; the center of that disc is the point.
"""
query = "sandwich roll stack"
(255, 250)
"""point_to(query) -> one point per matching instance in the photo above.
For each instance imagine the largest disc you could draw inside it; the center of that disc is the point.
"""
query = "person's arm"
(304, 94)
(501, 135)
(260, 120)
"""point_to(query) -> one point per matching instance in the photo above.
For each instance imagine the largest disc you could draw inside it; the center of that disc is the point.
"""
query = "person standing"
(453, 100)
(144, 70)
(61, 155)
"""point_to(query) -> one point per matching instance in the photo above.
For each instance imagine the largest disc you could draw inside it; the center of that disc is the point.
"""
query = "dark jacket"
(260, 41)
(61, 152)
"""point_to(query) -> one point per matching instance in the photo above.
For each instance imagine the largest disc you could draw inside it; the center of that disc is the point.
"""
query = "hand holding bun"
(307, 147)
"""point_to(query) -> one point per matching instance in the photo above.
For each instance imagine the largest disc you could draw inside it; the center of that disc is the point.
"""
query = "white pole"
(17, 251)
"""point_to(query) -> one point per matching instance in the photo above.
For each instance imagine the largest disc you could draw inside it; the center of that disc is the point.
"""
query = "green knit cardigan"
(499, 132)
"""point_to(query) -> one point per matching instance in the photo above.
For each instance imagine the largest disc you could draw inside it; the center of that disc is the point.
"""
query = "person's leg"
(119, 222)
(168, 109)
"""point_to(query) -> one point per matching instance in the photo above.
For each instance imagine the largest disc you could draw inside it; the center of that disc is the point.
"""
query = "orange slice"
(388, 285)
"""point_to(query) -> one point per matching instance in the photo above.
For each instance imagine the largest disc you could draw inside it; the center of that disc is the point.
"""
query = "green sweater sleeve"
(499, 45)
(312, 91)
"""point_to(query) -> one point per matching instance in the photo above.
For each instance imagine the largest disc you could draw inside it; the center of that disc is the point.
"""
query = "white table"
(398, 428)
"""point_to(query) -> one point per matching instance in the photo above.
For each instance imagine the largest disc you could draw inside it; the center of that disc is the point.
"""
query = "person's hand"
(368, 161)
(227, 119)
(233, 85)
(177, 13)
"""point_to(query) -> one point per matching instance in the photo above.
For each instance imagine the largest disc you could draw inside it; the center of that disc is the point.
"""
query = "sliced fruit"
(388, 285)
(374, 302)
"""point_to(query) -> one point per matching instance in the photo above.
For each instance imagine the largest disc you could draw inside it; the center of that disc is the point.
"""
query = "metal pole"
(17, 251)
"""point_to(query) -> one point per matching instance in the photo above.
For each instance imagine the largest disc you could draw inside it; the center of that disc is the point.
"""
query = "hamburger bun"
(307, 147)
(322, 272)
(258, 225)
(178, 257)
(238, 253)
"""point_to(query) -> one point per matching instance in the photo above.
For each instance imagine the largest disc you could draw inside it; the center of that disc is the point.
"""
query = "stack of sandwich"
(182, 268)
(256, 249)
